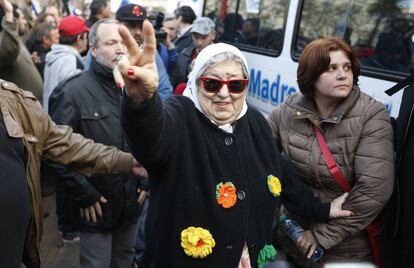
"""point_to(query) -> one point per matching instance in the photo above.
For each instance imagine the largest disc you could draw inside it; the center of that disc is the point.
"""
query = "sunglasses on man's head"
(213, 85)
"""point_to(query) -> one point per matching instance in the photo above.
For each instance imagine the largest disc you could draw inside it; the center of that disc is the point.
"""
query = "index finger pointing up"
(130, 43)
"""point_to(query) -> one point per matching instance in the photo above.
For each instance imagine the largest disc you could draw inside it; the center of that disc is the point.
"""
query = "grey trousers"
(104, 250)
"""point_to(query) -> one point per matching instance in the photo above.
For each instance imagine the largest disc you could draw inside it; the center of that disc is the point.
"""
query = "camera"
(156, 21)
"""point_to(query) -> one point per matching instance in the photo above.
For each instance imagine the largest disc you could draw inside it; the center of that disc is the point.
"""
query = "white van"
(273, 33)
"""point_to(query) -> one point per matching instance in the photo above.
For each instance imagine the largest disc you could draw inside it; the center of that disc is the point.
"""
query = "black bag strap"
(400, 85)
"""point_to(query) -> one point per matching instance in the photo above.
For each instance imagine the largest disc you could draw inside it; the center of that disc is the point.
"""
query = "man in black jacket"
(398, 243)
(90, 103)
(185, 17)
(203, 33)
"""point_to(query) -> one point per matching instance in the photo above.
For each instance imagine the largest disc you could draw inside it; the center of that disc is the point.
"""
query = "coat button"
(228, 141)
(229, 247)
(95, 114)
(298, 113)
(241, 195)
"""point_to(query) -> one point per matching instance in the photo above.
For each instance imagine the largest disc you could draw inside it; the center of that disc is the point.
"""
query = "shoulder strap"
(330, 161)
(400, 85)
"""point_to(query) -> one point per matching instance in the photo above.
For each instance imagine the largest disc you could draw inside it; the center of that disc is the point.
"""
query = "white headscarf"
(191, 89)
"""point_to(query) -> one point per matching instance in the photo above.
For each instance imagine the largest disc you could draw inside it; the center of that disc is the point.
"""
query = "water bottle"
(294, 231)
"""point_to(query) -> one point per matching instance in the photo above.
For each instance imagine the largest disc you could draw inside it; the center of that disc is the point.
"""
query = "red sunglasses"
(213, 85)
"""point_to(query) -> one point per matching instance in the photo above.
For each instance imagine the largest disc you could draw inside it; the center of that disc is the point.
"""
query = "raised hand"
(8, 10)
(138, 72)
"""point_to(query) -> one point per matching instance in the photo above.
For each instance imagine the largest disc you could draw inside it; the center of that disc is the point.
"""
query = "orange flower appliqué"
(226, 194)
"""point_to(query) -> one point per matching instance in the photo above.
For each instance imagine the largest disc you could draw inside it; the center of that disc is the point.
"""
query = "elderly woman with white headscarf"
(216, 179)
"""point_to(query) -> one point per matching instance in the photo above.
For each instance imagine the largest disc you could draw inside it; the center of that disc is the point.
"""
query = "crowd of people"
(82, 98)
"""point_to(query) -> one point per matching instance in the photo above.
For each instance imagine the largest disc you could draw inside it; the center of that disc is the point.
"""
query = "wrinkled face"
(170, 27)
(52, 39)
(201, 41)
(335, 83)
(109, 46)
(135, 28)
(222, 107)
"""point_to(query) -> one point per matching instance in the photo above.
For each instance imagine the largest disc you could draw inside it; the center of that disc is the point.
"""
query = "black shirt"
(15, 200)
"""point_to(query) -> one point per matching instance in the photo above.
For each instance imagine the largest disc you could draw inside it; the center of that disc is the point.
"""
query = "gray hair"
(220, 58)
(93, 32)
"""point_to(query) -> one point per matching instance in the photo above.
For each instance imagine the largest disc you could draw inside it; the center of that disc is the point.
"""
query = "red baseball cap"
(72, 25)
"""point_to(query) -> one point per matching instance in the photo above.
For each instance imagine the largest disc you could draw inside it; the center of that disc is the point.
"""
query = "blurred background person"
(251, 30)
(203, 34)
(233, 29)
(184, 16)
(388, 54)
(165, 47)
(65, 59)
(99, 9)
(16, 63)
(53, 10)
(42, 38)
(169, 25)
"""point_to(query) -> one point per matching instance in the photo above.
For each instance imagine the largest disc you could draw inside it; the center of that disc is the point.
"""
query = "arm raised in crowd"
(9, 37)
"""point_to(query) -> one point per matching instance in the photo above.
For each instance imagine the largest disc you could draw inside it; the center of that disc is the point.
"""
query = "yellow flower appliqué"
(197, 242)
(275, 187)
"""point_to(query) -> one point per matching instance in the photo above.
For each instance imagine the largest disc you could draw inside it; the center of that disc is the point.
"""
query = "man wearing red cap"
(64, 59)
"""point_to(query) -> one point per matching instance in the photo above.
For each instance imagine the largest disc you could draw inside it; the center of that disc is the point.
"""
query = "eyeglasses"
(213, 85)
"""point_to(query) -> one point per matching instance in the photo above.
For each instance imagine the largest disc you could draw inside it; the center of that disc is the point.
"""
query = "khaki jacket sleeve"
(65, 147)
(374, 172)
(9, 43)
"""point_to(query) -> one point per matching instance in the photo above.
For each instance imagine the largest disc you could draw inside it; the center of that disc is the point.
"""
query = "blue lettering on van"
(388, 106)
(274, 91)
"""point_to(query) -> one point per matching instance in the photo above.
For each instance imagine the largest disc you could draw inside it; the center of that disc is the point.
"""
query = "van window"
(249, 23)
(379, 31)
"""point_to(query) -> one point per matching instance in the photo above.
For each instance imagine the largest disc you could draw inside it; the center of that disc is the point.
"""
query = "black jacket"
(182, 67)
(398, 243)
(183, 41)
(90, 103)
(187, 157)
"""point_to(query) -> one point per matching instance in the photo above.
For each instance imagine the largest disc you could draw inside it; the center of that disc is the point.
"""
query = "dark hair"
(41, 30)
(97, 6)
(255, 23)
(187, 14)
(70, 40)
(233, 22)
(315, 60)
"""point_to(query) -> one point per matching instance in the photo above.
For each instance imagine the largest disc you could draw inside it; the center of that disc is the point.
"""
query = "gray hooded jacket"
(61, 62)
